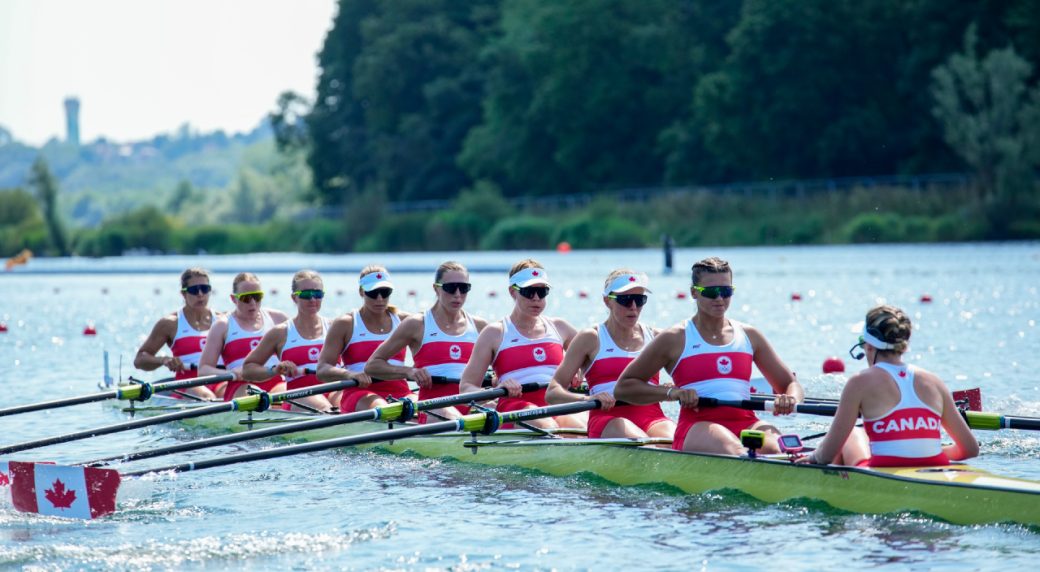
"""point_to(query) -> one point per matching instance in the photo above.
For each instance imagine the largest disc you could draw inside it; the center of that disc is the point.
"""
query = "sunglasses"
(379, 293)
(626, 300)
(313, 294)
(198, 289)
(455, 287)
(715, 291)
(254, 296)
(530, 292)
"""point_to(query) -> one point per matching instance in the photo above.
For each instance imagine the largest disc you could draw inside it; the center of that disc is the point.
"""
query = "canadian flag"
(57, 490)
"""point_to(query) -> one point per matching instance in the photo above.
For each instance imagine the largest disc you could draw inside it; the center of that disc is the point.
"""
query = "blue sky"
(143, 67)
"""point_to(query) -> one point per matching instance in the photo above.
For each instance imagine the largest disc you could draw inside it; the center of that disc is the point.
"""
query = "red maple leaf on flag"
(58, 496)
(5, 481)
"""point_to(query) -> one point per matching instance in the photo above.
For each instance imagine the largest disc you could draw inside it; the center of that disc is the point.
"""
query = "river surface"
(363, 510)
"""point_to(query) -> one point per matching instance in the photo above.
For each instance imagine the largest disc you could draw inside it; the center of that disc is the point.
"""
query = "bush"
(146, 228)
(589, 231)
(519, 233)
(874, 227)
(396, 233)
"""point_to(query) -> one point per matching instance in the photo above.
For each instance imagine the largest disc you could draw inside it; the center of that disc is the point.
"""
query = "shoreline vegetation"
(494, 105)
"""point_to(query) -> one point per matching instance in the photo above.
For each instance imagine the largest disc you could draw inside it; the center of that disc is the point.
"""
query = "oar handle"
(312, 390)
(759, 405)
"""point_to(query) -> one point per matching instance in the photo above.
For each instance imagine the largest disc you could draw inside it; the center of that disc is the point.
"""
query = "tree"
(990, 116)
(46, 188)
(288, 122)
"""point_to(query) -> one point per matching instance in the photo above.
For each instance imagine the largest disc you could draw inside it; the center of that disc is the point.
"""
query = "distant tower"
(72, 120)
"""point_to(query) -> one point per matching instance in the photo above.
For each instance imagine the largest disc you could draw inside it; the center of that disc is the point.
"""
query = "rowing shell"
(958, 493)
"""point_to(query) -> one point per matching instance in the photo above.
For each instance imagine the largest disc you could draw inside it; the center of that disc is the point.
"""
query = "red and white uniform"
(238, 342)
(304, 353)
(602, 375)
(360, 347)
(444, 355)
(188, 344)
(722, 372)
(525, 360)
(908, 435)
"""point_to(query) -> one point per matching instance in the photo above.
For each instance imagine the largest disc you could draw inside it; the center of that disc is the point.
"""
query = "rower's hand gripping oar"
(975, 419)
(257, 402)
(401, 411)
(97, 488)
(137, 391)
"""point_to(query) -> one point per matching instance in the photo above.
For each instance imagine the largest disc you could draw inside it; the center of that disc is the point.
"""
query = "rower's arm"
(776, 372)
(585, 344)
(162, 335)
(215, 345)
(964, 446)
(329, 368)
(253, 369)
(634, 386)
(408, 333)
(483, 353)
(566, 330)
(844, 421)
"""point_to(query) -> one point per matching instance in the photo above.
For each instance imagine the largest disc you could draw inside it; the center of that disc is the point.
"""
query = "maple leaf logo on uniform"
(724, 364)
(254, 343)
(313, 353)
(902, 373)
(58, 496)
(455, 351)
(5, 481)
(539, 354)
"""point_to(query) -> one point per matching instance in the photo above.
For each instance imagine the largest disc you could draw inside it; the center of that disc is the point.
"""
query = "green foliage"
(464, 225)
(590, 231)
(143, 228)
(46, 188)
(398, 233)
(21, 225)
(520, 233)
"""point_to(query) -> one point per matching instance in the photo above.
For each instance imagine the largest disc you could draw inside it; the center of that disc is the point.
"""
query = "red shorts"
(644, 416)
(439, 390)
(732, 418)
(268, 386)
(885, 461)
(526, 400)
(395, 388)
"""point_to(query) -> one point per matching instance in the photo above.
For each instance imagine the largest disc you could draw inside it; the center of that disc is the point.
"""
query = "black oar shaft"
(244, 403)
(467, 422)
(312, 424)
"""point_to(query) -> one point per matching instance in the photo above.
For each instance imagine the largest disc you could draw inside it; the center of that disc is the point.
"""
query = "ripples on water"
(372, 511)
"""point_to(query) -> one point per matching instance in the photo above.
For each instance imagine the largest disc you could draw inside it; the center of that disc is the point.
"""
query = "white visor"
(375, 280)
(529, 277)
(626, 282)
(878, 344)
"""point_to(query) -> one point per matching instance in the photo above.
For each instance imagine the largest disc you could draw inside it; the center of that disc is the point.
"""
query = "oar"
(257, 402)
(395, 412)
(54, 489)
(971, 398)
(138, 391)
(976, 419)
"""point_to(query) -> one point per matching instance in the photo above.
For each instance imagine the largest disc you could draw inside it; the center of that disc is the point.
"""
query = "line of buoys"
(3, 327)
(833, 364)
(926, 298)
(795, 296)
(680, 295)
(583, 294)
(563, 247)
(90, 330)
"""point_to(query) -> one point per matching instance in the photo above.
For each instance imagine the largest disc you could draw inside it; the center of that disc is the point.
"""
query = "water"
(372, 511)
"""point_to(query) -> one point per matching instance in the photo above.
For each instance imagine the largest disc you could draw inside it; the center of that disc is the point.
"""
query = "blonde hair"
(710, 265)
(305, 275)
(892, 324)
(194, 272)
(245, 277)
(614, 274)
(448, 267)
(525, 263)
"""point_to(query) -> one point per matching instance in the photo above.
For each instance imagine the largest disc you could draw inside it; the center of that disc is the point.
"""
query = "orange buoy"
(563, 247)
(795, 296)
(925, 298)
(412, 293)
(3, 327)
(90, 330)
(680, 295)
(583, 294)
(833, 364)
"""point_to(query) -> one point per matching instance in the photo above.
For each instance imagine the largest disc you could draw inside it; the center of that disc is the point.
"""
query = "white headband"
(374, 280)
(870, 339)
(528, 277)
(626, 282)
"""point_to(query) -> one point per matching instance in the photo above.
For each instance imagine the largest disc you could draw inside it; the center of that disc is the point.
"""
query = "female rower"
(902, 405)
(236, 334)
(185, 332)
(296, 342)
(524, 347)
(710, 355)
(354, 337)
(441, 341)
(602, 353)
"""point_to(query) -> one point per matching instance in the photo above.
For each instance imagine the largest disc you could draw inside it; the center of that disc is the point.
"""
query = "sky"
(145, 67)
